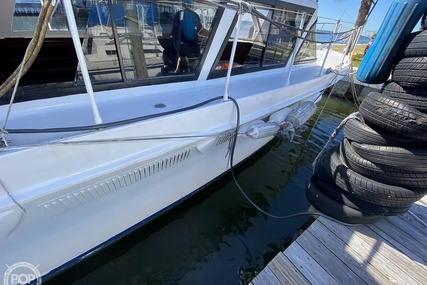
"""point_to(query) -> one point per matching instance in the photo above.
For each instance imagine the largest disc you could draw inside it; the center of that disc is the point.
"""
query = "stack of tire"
(380, 167)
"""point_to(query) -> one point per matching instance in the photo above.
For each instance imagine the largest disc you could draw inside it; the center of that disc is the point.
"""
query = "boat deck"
(392, 251)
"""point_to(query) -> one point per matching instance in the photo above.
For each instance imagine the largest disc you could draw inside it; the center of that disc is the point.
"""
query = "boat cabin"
(133, 43)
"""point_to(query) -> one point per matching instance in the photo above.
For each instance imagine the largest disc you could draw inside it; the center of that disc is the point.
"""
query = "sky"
(347, 11)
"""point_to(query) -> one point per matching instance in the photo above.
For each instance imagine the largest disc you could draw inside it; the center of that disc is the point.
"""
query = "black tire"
(358, 131)
(405, 158)
(389, 114)
(411, 72)
(415, 97)
(336, 210)
(415, 45)
(367, 189)
(382, 173)
(334, 192)
(346, 198)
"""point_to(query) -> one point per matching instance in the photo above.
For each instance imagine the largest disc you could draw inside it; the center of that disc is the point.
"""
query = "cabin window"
(251, 43)
(147, 39)
(308, 48)
(262, 43)
(127, 40)
(281, 40)
(26, 14)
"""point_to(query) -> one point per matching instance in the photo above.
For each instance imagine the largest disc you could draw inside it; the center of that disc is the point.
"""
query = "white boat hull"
(109, 181)
(69, 185)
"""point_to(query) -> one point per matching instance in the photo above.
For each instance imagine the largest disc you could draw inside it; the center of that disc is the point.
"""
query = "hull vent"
(78, 198)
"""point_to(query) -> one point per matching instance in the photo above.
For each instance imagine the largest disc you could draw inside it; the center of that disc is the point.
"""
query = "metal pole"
(233, 52)
(294, 52)
(116, 39)
(336, 29)
(78, 48)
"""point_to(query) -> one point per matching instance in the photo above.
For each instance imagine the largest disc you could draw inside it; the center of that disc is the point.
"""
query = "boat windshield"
(161, 40)
(262, 43)
(129, 39)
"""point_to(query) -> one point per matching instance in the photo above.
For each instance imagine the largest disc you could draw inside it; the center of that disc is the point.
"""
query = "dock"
(391, 251)
(349, 86)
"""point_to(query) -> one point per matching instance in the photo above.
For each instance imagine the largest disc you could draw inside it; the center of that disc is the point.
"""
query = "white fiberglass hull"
(78, 193)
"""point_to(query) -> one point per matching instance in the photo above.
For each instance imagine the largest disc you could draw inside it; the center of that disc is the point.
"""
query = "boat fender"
(286, 132)
(398, 23)
(263, 130)
(245, 127)
(280, 116)
(301, 114)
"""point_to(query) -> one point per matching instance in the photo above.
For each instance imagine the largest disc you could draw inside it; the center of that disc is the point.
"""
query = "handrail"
(295, 50)
(241, 11)
(78, 48)
(336, 29)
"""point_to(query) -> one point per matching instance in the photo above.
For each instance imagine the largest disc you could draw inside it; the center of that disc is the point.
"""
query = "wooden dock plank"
(391, 251)
(267, 278)
(366, 248)
(313, 271)
(414, 268)
(396, 266)
(422, 201)
(419, 210)
(401, 240)
(349, 256)
(286, 271)
(411, 226)
(322, 255)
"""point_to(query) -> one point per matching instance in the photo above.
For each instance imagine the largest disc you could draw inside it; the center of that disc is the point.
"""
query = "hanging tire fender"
(332, 190)
(358, 131)
(411, 72)
(394, 116)
(336, 210)
(405, 158)
(368, 189)
(351, 201)
(383, 173)
(415, 97)
(415, 45)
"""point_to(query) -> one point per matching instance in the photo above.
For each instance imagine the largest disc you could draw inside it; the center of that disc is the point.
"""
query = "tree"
(362, 17)
(365, 7)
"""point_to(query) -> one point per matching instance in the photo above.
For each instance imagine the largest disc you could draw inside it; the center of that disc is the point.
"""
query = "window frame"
(214, 73)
